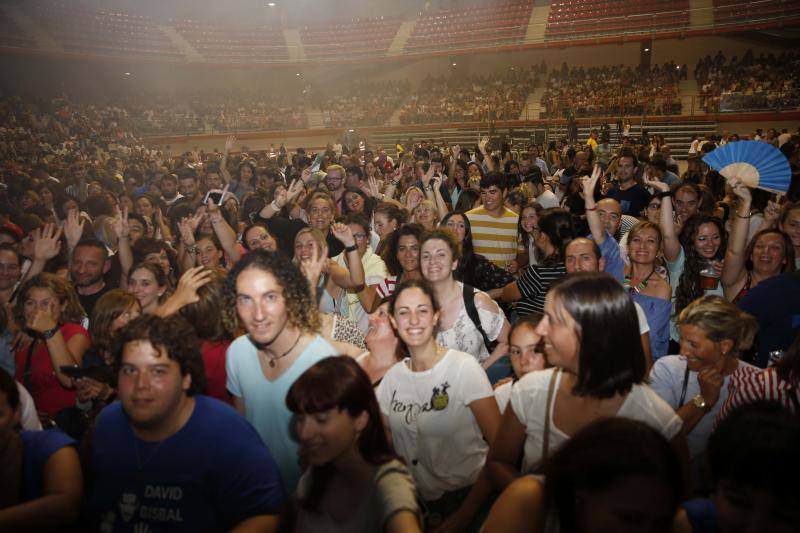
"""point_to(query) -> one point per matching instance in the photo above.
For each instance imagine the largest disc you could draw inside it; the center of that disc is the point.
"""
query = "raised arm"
(186, 292)
(487, 157)
(672, 246)
(46, 245)
(734, 270)
(354, 279)
(223, 164)
(224, 232)
(596, 225)
(124, 251)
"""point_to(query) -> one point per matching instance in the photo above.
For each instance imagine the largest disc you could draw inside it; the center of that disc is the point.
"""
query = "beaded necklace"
(642, 285)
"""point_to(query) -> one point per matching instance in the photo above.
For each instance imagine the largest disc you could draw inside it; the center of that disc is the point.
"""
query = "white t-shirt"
(502, 394)
(529, 396)
(28, 419)
(432, 426)
(547, 199)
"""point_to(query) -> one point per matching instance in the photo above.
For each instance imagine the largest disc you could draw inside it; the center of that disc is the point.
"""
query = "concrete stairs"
(537, 23)
(43, 39)
(533, 106)
(294, 45)
(314, 118)
(401, 37)
(185, 47)
(689, 97)
(678, 135)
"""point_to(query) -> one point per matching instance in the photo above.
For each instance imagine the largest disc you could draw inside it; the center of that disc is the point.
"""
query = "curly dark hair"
(389, 252)
(300, 306)
(688, 288)
(175, 337)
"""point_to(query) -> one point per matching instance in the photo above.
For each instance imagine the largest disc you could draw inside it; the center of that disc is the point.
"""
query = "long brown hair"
(107, 309)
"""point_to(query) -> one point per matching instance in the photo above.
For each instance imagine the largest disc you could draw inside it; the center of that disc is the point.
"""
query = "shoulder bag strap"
(551, 388)
(685, 384)
(26, 376)
(472, 313)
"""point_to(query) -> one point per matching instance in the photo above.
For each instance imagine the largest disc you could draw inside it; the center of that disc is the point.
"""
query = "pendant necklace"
(271, 360)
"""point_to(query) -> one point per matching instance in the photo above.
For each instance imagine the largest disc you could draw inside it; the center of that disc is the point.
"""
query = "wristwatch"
(701, 403)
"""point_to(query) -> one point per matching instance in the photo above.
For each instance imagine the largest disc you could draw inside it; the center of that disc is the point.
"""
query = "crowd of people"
(577, 337)
(203, 110)
(470, 98)
(613, 91)
(752, 82)
(362, 103)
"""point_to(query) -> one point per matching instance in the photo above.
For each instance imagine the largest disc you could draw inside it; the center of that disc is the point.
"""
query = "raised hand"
(343, 234)
(655, 183)
(120, 224)
(229, 142)
(482, 144)
(312, 267)
(191, 280)
(772, 212)
(73, 227)
(588, 184)
(741, 190)
(186, 231)
(372, 190)
(455, 150)
(42, 321)
(295, 189)
(46, 244)
(428, 176)
(306, 175)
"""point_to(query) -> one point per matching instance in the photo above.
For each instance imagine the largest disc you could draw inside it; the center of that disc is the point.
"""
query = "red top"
(213, 353)
(48, 393)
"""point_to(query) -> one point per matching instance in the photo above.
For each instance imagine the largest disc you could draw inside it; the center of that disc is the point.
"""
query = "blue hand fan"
(758, 164)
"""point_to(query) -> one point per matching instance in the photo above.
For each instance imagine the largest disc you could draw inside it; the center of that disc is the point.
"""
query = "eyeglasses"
(359, 236)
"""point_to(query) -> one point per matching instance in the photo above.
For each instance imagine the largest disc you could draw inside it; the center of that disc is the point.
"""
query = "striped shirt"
(533, 285)
(386, 287)
(494, 237)
(763, 385)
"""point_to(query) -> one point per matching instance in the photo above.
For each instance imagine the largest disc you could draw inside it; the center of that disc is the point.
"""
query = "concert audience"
(245, 297)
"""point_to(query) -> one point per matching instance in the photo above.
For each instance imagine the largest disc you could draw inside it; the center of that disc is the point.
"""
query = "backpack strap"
(472, 313)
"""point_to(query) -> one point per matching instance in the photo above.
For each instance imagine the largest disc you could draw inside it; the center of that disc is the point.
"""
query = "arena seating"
(233, 41)
(11, 35)
(472, 26)
(83, 31)
(579, 18)
(349, 38)
(733, 11)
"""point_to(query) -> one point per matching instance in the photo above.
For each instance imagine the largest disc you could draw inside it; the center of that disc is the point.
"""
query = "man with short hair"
(657, 168)
(631, 196)
(334, 181)
(166, 457)
(494, 226)
(169, 189)
(274, 304)
(88, 266)
(189, 187)
(687, 201)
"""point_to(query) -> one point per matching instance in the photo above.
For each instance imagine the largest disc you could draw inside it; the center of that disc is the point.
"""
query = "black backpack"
(472, 313)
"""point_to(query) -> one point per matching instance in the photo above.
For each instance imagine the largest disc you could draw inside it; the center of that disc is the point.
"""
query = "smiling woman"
(697, 382)
(355, 482)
